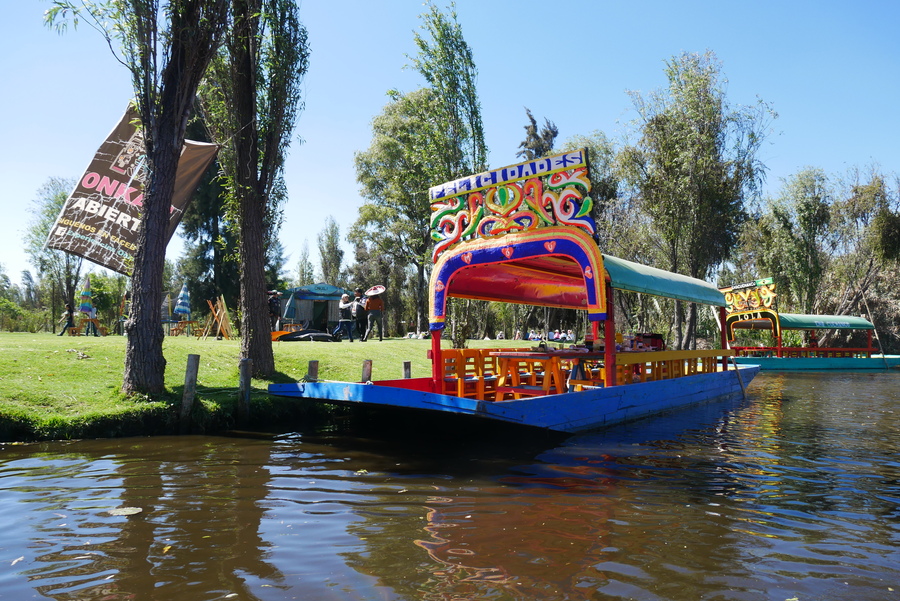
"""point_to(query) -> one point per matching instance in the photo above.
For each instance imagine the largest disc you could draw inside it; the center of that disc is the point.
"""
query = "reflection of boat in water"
(523, 234)
(558, 522)
(752, 306)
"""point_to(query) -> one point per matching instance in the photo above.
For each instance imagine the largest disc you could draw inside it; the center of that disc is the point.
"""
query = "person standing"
(274, 304)
(69, 316)
(375, 308)
(92, 323)
(359, 314)
(346, 321)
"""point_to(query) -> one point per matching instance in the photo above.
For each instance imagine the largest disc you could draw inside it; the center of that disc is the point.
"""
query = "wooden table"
(510, 378)
(181, 326)
(97, 327)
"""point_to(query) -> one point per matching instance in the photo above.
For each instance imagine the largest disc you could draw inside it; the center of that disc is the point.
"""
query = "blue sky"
(830, 69)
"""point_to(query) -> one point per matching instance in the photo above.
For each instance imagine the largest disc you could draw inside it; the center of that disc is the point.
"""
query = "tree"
(209, 264)
(306, 271)
(445, 61)
(605, 182)
(796, 231)
(695, 166)
(167, 51)
(537, 143)
(251, 102)
(331, 257)
(59, 269)
(395, 173)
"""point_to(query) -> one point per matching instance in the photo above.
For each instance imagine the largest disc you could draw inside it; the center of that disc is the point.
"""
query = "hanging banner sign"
(101, 217)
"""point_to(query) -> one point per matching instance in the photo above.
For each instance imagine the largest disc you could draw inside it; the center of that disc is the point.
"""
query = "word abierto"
(107, 212)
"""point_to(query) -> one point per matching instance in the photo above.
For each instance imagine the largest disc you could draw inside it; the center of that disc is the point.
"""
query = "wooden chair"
(469, 382)
(451, 359)
(486, 368)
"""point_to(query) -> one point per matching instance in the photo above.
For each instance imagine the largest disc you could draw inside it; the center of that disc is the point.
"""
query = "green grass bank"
(56, 388)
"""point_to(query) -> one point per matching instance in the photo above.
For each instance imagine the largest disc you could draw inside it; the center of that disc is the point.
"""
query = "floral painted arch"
(551, 267)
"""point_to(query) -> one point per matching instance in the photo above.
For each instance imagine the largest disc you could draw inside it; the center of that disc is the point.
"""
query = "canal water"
(791, 495)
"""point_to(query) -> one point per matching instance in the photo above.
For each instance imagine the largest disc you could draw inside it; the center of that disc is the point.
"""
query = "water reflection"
(201, 507)
(794, 493)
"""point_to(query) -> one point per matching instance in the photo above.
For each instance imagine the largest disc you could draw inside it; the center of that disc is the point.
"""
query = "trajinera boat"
(753, 306)
(524, 234)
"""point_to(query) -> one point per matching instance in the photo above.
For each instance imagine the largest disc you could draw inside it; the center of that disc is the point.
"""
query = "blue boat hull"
(571, 412)
(821, 363)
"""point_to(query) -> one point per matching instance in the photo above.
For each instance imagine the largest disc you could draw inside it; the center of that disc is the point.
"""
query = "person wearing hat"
(345, 324)
(359, 313)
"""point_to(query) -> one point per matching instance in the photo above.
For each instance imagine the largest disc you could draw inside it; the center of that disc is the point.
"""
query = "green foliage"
(605, 184)
(538, 142)
(694, 168)
(331, 256)
(59, 271)
(795, 238)
(306, 271)
(209, 264)
(886, 232)
(446, 62)
(395, 172)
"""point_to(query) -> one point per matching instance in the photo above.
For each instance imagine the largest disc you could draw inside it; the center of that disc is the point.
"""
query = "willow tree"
(446, 62)
(695, 166)
(167, 47)
(251, 101)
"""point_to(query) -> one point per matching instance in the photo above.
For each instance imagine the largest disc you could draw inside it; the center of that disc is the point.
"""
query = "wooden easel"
(218, 319)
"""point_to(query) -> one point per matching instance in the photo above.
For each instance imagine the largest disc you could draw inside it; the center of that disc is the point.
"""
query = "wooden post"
(407, 370)
(190, 389)
(245, 371)
(312, 371)
(722, 319)
(367, 371)
(437, 362)
(609, 335)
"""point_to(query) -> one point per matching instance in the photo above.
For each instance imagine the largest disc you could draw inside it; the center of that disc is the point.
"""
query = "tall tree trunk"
(421, 298)
(256, 331)
(256, 338)
(145, 364)
(679, 324)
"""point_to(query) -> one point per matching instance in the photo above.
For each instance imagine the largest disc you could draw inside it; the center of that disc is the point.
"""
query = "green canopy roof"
(635, 277)
(791, 321)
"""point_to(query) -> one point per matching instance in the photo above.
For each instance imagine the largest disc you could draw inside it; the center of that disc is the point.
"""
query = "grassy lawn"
(55, 387)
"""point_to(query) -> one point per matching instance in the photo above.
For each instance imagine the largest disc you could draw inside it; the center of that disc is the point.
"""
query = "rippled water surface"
(793, 494)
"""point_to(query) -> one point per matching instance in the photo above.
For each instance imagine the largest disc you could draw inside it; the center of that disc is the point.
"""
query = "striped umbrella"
(86, 305)
(183, 302)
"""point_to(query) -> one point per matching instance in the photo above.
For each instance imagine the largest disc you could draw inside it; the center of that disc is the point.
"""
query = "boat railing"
(473, 373)
(665, 365)
(802, 351)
